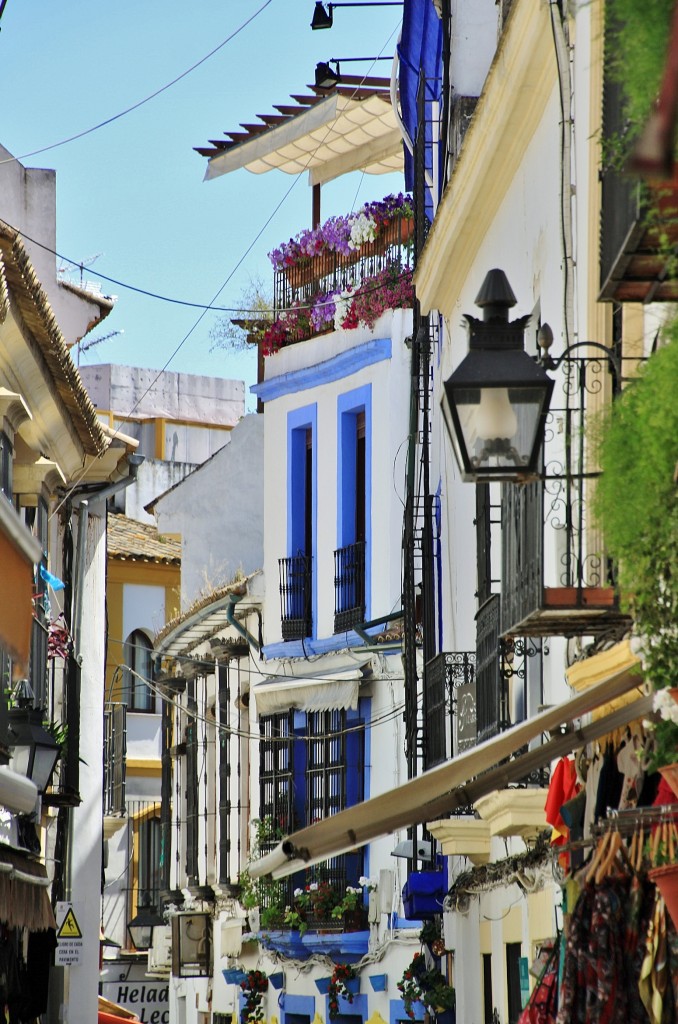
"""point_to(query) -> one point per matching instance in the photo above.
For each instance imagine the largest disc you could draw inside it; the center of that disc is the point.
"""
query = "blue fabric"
(420, 47)
(54, 581)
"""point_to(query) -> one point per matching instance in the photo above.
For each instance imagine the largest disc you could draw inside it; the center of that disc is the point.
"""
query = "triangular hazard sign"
(70, 929)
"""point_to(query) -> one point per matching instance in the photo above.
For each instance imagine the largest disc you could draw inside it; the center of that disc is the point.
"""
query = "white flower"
(341, 307)
(664, 703)
(363, 229)
(313, 886)
(298, 892)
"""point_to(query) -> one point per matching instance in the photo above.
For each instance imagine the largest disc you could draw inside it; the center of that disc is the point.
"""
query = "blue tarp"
(420, 49)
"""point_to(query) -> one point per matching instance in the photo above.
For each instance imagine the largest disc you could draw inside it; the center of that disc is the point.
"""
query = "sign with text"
(69, 934)
(128, 985)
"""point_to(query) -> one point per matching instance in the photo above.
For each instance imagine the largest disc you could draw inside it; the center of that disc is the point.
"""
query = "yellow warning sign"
(70, 929)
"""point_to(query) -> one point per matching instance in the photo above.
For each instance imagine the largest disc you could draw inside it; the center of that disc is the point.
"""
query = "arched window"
(138, 667)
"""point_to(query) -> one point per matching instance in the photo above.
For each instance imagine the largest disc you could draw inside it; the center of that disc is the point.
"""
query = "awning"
(458, 782)
(334, 691)
(24, 896)
(112, 1013)
(19, 551)
(351, 128)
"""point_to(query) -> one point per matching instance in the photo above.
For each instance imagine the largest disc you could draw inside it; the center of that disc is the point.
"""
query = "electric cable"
(140, 103)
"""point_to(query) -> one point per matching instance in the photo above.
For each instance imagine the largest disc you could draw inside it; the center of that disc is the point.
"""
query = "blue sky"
(131, 194)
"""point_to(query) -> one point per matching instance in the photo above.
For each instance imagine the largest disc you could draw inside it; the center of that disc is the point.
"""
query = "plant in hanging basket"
(342, 976)
(254, 986)
(429, 987)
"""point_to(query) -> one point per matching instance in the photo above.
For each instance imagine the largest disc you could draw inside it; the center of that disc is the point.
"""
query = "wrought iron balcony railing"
(115, 753)
(449, 706)
(330, 271)
(349, 586)
(296, 577)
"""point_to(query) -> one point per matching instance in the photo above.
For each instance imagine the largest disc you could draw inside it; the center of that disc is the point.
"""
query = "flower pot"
(323, 985)
(670, 773)
(355, 920)
(666, 880)
(379, 982)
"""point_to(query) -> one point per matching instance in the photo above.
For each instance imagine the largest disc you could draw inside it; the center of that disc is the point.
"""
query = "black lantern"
(140, 928)
(325, 77)
(35, 751)
(496, 401)
(322, 18)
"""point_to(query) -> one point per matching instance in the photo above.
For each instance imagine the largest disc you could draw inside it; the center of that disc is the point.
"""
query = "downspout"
(83, 503)
(232, 621)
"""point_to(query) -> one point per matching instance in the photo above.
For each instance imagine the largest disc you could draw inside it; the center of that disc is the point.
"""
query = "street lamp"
(140, 928)
(324, 18)
(496, 401)
(35, 751)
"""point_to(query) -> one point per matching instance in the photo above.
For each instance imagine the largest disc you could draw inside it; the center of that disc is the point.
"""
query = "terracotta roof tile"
(133, 541)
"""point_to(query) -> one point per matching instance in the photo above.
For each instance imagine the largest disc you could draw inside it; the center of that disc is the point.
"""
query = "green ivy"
(636, 504)
(637, 41)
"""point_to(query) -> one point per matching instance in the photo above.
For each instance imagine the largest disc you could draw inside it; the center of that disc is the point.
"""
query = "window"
(352, 556)
(297, 585)
(148, 840)
(312, 766)
(138, 667)
(515, 1004)
(488, 1011)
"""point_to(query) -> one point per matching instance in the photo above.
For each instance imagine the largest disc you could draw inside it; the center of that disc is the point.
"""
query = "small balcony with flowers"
(342, 273)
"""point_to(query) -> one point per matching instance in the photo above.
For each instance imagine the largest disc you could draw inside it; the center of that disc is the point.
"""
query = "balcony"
(296, 579)
(341, 274)
(449, 706)
(349, 586)
(565, 588)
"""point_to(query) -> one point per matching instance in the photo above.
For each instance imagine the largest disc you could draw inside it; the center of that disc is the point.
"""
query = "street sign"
(69, 934)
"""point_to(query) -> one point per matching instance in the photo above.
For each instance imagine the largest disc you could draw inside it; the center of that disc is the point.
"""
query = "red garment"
(563, 787)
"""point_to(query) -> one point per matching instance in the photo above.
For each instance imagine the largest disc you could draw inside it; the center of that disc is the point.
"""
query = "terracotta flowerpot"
(666, 880)
(670, 773)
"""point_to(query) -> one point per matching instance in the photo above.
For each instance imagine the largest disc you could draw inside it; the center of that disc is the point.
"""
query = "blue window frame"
(298, 586)
(352, 557)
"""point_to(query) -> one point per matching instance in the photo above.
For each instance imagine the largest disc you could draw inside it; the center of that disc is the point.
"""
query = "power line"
(140, 103)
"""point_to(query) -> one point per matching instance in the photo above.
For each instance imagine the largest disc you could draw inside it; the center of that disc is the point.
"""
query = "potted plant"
(428, 987)
(351, 907)
(344, 982)
(253, 986)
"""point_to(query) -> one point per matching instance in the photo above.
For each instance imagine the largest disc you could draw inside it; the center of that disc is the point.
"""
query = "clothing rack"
(625, 822)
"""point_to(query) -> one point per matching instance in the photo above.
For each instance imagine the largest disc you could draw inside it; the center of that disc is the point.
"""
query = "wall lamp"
(140, 928)
(496, 402)
(323, 18)
(326, 78)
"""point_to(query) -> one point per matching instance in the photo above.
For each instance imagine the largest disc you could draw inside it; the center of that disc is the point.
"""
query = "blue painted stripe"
(342, 365)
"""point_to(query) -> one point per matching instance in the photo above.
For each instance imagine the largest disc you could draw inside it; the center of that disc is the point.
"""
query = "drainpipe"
(83, 502)
(232, 621)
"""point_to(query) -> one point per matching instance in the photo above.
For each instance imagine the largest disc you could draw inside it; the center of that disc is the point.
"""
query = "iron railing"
(449, 706)
(491, 716)
(334, 272)
(115, 754)
(349, 586)
(296, 579)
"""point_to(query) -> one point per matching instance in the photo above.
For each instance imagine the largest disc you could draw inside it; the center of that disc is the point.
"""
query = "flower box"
(423, 895)
(233, 976)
